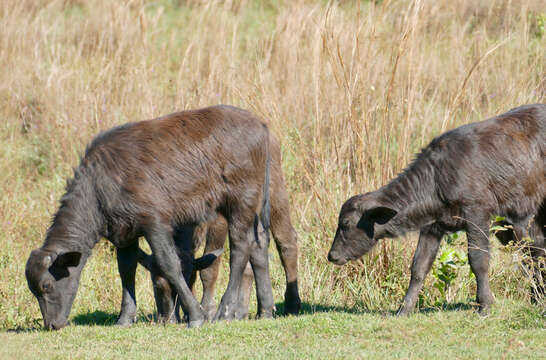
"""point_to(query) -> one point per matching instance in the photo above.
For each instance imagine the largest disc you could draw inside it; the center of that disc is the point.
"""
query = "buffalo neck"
(77, 224)
(414, 195)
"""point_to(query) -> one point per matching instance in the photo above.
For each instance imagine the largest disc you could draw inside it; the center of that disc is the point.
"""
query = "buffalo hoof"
(292, 301)
(196, 323)
(265, 315)
(210, 311)
(242, 312)
(167, 319)
(405, 310)
(225, 313)
(292, 306)
(125, 321)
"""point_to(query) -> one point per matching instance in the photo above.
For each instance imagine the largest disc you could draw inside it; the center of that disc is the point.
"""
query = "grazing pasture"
(352, 90)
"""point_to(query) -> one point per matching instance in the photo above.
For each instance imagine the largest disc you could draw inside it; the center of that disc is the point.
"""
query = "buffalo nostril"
(336, 258)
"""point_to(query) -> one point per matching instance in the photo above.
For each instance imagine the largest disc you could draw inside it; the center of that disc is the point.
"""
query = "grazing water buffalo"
(150, 178)
(458, 182)
(215, 232)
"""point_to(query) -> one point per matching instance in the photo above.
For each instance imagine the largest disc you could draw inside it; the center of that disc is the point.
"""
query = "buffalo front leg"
(127, 264)
(478, 257)
(183, 239)
(425, 253)
(161, 242)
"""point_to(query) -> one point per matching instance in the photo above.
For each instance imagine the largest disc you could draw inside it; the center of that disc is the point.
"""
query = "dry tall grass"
(352, 89)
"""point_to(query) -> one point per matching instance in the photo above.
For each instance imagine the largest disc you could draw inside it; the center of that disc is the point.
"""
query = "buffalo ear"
(68, 259)
(380, 214)
(377, 215)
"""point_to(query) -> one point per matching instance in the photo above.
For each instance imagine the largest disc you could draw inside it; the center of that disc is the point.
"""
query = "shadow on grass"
(101, 318)
(309, 309)
(95, 318)
(35, 326)
(447, 307)
(98, 317)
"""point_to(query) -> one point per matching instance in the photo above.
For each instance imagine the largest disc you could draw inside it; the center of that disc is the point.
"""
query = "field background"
(351, 88)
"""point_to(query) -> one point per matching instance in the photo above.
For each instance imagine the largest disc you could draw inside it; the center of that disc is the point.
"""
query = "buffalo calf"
(214, 234)
(148, 179)
(458, 182)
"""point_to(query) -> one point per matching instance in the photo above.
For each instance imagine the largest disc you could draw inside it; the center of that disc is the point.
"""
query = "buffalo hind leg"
(239, 246)
(425, 253)
(242, 242)
(127, 264)
(215, 239)
(244, 292)
(165, 255)
(259, 259)
(286, 243)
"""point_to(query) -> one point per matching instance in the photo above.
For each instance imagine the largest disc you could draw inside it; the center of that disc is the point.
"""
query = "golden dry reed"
(352, 89)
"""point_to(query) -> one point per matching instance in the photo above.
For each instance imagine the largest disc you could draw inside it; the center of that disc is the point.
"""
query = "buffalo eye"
(345, 224)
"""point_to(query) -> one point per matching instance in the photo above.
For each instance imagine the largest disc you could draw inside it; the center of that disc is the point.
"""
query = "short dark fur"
(214, 234)
(148, 179)
(458, 182)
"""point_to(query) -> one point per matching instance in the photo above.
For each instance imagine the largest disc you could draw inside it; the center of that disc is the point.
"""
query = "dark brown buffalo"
(151, 178)
(214, 234)
(458, 182)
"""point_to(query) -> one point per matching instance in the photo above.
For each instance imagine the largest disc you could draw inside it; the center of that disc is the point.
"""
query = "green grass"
(513, 330)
